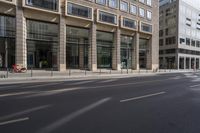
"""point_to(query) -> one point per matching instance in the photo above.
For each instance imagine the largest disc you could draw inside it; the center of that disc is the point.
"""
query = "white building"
(179, 34)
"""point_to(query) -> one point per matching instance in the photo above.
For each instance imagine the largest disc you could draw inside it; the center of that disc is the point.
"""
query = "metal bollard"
(31, 72)
(69, 72)
(51, 72)
(7, 72)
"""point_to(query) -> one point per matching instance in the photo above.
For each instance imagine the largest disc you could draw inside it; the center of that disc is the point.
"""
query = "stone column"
(92, 57)
(135, 52)
(21, 46)
(62, 45)
(116, 54)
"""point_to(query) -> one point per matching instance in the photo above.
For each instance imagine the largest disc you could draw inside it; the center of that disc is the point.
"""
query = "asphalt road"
(167, 103)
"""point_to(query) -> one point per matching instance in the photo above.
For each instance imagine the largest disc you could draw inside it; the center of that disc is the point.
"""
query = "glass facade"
(77, 47)
(126, 51)
(42, 44)
(45, 4)
(7, 41)
(104, 49)
(143, 51)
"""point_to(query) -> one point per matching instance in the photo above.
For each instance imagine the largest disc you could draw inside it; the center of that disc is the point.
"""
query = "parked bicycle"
(18, 69)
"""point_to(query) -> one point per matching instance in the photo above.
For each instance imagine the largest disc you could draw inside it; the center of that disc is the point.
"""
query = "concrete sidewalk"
(47, 76)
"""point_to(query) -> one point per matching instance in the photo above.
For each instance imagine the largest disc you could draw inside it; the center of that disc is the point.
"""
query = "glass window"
(141, 12)
(149, 15)
(78, 10)
(107, 17)
(146, 27)
(113, 3)
(37, 30)
(149, 2)
(124, 6)
(129, 23)
(45, 4)
(7, 26)
(133, 9)
(102, 2)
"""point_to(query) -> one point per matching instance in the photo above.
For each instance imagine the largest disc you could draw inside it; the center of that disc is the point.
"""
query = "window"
(193, 43)
(187, 41)
(45, 4)
(161, 33)
(124, 6)
(149, 3)
(7, 26)
(113, 3)
(133, 9)
(149, 15)
(129, 23)
(37, 30)
(102, 2)
(198, 44)
(161, 42)
(107, 17)
(146, 27)
(78, 10)
(182, 40)
(141, 12)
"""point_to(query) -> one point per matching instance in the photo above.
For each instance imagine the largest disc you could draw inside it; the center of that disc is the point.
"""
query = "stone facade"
(22, 12)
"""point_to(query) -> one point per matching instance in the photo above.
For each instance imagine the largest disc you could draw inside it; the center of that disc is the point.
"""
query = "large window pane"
(42, 44)
(45, 4)
(7, 26)
(104, 49)
(80, 11)
(107, 17)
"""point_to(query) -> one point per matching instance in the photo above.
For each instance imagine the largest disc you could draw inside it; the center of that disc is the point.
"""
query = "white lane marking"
(51, 92)
(177, 77)
(72, 116)
(14, 121)
(141, 97)
(79, 83)
(24, 112)
(41, 85)
(16, 94)
(194, 86)
(107, 81)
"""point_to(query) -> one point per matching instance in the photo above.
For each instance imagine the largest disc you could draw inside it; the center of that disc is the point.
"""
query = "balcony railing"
(51, 5)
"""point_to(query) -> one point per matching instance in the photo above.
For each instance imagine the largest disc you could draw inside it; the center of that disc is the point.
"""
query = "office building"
(79, 34)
